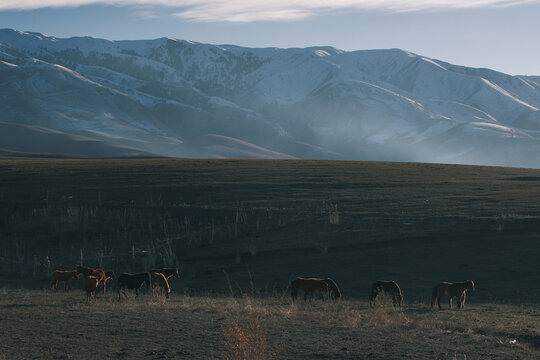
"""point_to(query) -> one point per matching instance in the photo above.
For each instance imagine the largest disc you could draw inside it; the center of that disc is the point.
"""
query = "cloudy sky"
(498, 34)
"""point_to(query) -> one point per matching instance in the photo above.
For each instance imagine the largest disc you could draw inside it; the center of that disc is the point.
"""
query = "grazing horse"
(132, 282)
(63, 276)
(332, 286)
(456, 290)
(90, 285)
(100, 274)
(167, 272)
(386, 287)
(311, 285)
(159, 283)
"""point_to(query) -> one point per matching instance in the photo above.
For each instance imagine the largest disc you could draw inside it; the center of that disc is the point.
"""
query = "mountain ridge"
(316, 102)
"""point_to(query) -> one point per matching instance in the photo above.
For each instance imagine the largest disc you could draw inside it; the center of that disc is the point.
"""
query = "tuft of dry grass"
(246, 338)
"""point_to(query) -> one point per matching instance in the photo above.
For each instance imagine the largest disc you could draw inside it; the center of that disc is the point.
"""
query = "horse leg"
(136, 292)
(373, 298)
(450, 301)
(123, 292)
(104, 286)
(439, 302)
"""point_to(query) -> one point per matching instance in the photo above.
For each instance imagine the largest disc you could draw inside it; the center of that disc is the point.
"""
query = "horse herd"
(157, 281)
(328, 287)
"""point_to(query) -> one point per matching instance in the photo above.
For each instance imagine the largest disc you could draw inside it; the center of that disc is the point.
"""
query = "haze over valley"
(90, 97)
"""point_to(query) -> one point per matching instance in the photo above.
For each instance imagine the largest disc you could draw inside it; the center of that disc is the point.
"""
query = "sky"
(497, 34)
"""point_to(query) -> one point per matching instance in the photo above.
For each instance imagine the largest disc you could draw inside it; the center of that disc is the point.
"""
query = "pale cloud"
(264, 10)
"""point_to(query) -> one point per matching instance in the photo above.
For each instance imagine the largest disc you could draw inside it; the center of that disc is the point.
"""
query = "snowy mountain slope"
(181, 98)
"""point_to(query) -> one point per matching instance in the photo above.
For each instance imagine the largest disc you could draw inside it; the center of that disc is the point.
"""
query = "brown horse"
(63, 276)
(386, 287)
(90, 285)
(158, 282)
(98, 273)
(312, 285)
(456, 290)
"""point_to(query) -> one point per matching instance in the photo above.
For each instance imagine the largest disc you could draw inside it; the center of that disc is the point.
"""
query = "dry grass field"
(239, 231)
(40, 324)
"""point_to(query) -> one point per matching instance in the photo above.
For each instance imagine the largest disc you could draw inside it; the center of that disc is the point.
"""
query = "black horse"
(132, 281)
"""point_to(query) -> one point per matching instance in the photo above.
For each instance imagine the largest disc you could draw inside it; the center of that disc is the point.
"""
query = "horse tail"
(434, 295)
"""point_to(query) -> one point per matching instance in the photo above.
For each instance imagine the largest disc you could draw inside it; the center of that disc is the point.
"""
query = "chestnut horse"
(456, 290)
(98, 273)
(312, 285)
(159, 283)
(386, 287)
(167, 272)
(63, 276)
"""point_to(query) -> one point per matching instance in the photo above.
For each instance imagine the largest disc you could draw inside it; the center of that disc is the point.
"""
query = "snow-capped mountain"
(179, 98)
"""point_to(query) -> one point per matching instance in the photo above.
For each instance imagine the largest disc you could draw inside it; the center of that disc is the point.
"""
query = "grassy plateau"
(241, 230)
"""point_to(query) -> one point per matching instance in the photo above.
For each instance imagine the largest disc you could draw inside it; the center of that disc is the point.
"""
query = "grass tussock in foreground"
(42, 324)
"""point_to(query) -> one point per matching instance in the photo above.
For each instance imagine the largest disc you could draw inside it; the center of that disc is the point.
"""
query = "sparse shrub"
(333, 217)
(246, 338)
(385, 316)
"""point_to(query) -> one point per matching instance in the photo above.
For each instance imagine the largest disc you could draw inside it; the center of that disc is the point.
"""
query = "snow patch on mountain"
(311, 102)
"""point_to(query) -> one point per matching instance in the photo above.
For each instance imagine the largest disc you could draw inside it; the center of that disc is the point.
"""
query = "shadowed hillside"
(27, 140)
(250, 226)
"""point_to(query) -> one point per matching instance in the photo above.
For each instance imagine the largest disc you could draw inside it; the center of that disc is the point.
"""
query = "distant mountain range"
(166, 97)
